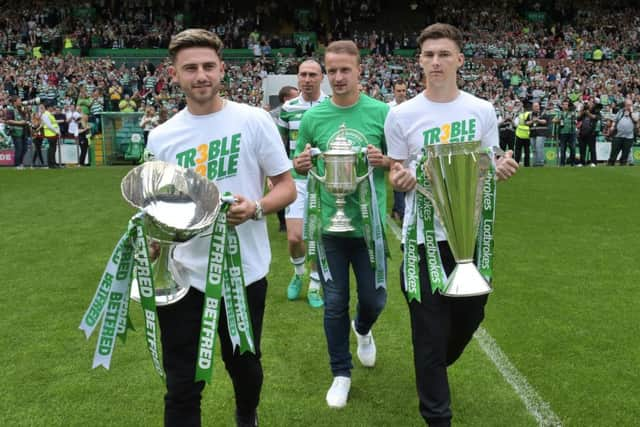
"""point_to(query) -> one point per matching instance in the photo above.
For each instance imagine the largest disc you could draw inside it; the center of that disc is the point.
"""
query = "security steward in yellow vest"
(52, 134)
(523, 131)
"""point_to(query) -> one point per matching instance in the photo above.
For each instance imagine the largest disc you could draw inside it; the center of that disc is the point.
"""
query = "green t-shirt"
(568, 122)
(16, 130)
(316, 128)
(85, 104)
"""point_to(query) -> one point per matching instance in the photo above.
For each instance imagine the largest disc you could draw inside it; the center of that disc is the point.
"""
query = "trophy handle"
(315, 151)
(316, 176)
(359, 179)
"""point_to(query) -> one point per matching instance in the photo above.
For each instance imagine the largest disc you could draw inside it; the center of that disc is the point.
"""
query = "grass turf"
(565, 311)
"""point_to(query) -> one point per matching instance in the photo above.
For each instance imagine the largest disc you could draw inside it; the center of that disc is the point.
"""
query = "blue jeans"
(538, 150)
(342, 252)
(398, 203)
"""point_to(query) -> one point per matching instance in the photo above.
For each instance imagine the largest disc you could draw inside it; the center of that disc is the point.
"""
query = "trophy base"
(164, 296)
(466, 281)
(340, 225)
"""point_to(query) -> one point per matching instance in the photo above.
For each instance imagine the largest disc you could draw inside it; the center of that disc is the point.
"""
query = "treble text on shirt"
(215, 160)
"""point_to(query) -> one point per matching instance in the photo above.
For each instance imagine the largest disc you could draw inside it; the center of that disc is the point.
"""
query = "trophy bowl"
(177, 204)
(457, 174)
(340, 176)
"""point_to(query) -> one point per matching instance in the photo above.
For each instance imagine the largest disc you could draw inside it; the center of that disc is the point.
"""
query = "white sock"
(315, 280)
(298, 265)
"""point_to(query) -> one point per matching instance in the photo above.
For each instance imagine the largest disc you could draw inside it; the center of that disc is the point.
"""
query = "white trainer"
(366, 347)
(339, 392)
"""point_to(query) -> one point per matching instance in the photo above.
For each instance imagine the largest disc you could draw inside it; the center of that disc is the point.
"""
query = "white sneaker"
(593, 165)
(366, 347)
(339, 392)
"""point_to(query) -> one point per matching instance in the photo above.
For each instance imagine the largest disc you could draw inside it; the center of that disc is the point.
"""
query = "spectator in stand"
(115, 94)
(127, 105)
(148, 121)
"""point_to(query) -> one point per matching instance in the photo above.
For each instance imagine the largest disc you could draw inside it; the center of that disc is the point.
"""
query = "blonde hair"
(343, 46)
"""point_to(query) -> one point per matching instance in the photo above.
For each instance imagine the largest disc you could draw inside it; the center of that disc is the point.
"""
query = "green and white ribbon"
(312, 229)
(111, 300)
(484, 248)
(422, 208)
(146, 287)
(224, 275)
(372, 223)
(426, 212)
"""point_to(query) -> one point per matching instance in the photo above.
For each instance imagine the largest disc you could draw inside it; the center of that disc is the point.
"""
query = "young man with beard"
(363, 118)
(441, 326)
(237, 147)
(309, 79)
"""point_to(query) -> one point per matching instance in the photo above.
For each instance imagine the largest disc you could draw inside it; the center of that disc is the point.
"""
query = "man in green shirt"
(363, 118)
(17, 121)
(567, 134)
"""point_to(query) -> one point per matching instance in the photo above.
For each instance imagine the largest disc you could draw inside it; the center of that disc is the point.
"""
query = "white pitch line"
(536, 406)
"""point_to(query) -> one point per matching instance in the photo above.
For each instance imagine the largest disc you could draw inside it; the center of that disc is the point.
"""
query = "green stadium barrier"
(122, 138)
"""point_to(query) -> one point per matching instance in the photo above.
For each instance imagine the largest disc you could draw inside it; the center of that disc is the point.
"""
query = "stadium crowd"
(511, 61)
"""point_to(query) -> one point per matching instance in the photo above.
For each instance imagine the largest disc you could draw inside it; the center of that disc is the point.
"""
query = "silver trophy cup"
(177, 204)
(340, 178)
(457, 174)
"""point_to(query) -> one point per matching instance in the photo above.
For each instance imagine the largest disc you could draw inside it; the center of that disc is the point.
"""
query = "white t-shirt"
(237, 148)
(73, 117)
(419, 122)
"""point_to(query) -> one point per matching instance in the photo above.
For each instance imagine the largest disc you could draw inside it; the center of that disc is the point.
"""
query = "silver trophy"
(457, 174)
(177, 204)
(340, 178)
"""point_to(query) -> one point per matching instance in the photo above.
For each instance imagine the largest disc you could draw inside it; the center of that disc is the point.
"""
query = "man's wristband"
(258, 214)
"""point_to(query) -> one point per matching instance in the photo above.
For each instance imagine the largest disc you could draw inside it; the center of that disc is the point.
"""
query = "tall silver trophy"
(340, 175)
(457, 174)
(177, 204)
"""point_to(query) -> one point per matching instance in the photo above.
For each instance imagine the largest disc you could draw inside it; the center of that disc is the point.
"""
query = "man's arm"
(282, 194)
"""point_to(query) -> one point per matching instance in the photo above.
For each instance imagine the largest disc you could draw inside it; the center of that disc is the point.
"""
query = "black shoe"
(247, 421)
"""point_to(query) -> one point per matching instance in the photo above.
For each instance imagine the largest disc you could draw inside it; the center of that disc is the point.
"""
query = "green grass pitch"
(565, 310)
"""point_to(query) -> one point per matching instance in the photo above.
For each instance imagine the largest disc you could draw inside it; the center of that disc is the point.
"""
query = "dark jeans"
(441, 327)
(520, 144)
(567, 140)
(180, 330)
(342, 252)
(51, 152)
(84, 147)
(590, 142)
(398, 203)
(618, 145)
(37, 152)
(20, 145)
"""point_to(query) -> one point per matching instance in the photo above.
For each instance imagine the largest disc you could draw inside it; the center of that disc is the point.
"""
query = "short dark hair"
(284, 91)
(194, 37)
(441, 31)
(399, 83)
